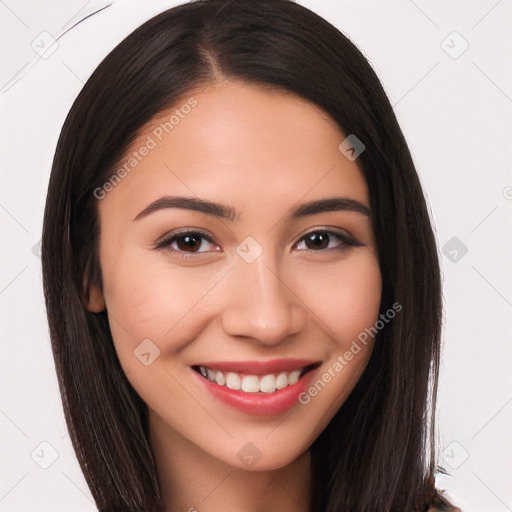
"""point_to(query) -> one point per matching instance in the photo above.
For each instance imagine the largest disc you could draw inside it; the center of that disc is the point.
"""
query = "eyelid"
(342, 233)
(164, 239)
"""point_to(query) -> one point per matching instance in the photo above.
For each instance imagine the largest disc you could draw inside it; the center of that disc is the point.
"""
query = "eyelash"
(345, 241)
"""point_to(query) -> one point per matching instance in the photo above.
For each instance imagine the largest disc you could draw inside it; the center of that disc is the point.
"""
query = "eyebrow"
(330, 204)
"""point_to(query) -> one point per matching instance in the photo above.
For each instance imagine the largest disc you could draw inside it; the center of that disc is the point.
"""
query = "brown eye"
(321, 239)
(186, 242)
(317, 240)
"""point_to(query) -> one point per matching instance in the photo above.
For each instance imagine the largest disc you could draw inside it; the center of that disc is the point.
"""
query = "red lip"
(259, 404)
(259, 367)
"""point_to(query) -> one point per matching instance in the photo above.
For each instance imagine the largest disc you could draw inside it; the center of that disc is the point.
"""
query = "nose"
(260, 304)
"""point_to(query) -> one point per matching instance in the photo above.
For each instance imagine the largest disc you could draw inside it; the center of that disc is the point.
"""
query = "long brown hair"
(379, 451)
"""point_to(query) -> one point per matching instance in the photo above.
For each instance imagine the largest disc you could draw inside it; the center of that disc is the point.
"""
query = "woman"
(241, 278)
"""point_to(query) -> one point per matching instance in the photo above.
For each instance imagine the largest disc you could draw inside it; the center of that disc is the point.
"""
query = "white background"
(456, 113)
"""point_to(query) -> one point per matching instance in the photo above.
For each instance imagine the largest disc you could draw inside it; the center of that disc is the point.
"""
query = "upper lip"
(259, 367)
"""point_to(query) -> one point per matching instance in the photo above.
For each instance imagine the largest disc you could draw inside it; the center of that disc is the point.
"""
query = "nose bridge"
(260, 304)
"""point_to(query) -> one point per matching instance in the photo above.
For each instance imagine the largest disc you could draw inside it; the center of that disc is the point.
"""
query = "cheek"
(148, 300)
(348, 305)
(360, 297)
(345, 297)
(154, 313)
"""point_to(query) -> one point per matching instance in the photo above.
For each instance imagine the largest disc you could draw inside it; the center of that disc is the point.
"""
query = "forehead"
(234, 140)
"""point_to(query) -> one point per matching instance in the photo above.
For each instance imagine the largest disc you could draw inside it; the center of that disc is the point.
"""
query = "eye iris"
(319, 240)
(189, 242)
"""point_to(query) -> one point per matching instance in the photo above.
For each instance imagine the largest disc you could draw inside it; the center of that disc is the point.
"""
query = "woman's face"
(262, 281)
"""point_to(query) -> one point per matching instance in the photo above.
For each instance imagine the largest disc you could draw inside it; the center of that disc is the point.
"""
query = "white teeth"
(268, 384)
(233, 381)
(282, 380)
(293, 377)
(252, 383)
(219, 378)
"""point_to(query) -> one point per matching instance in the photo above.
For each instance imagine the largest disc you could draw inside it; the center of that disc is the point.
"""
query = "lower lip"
(260, 404)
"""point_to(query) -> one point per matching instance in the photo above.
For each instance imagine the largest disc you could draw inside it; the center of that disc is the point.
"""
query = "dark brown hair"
(378, 453)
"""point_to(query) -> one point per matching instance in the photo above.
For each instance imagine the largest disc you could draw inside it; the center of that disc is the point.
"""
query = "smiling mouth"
(250, 383)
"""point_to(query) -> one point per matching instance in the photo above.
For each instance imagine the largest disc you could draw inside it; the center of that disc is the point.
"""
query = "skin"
(263, 152)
